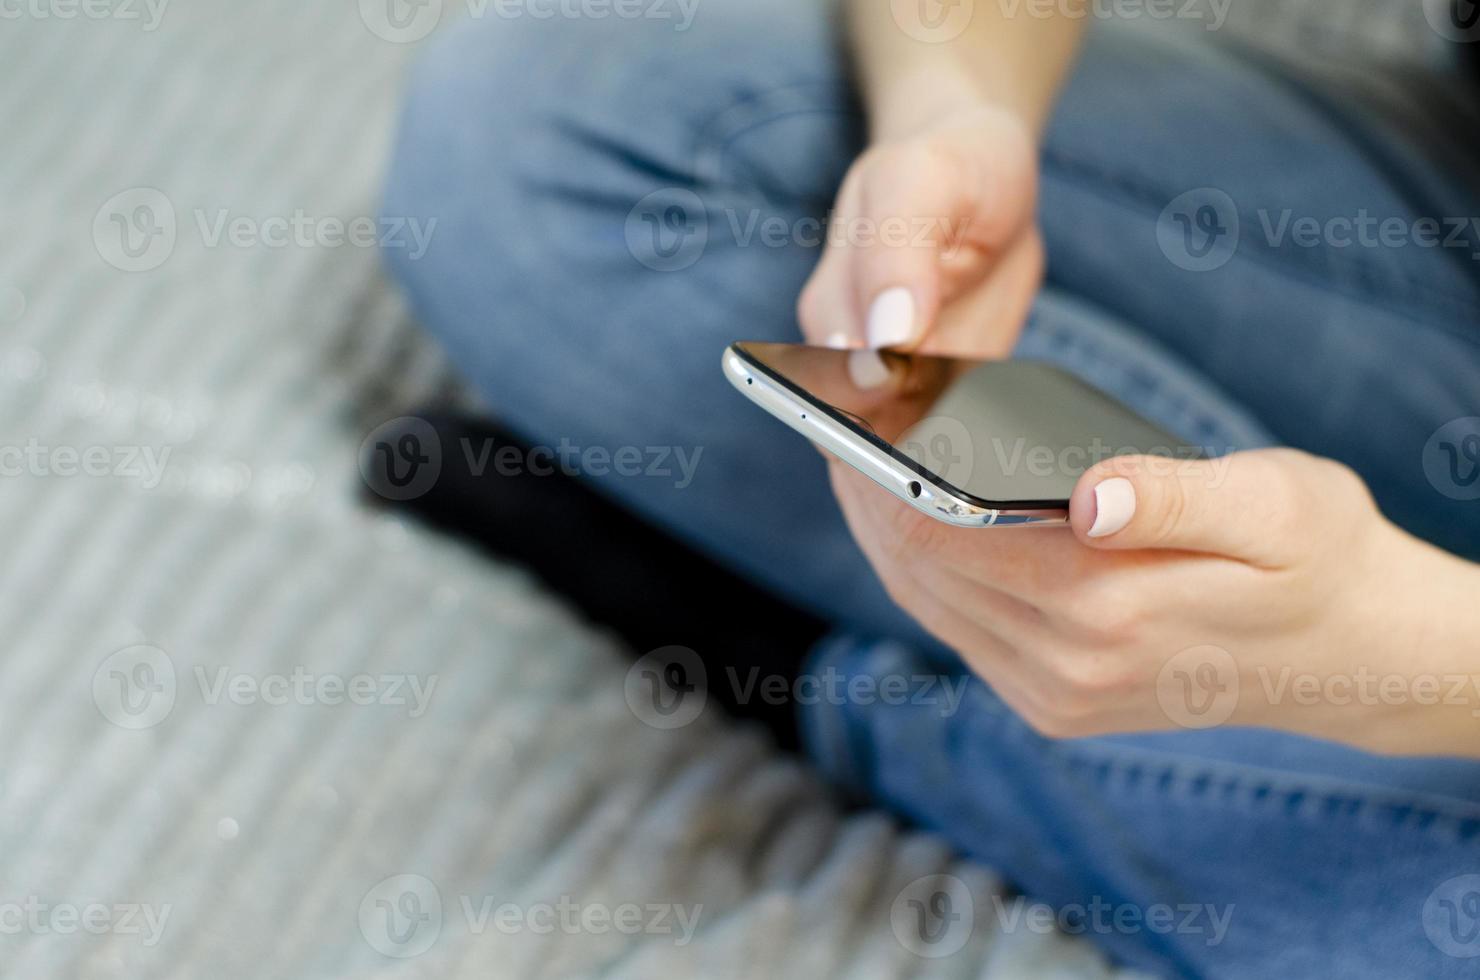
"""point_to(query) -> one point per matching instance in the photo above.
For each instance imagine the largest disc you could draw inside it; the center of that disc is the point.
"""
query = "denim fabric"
(602, 190)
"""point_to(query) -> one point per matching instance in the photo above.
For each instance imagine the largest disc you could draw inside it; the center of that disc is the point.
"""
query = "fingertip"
(1104, 502)
(1114, 506)
(893, 318)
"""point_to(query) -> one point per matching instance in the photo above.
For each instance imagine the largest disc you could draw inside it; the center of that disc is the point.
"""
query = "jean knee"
(528, 146)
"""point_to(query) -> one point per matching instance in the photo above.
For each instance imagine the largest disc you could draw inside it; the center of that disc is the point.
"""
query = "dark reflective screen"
(1004, 432)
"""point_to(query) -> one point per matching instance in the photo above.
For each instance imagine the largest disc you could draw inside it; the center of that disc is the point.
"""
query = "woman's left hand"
(1261, 589)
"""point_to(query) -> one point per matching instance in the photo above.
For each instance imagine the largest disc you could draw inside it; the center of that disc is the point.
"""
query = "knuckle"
(1084, 683)
(1346, 487)
(1286, 479)
(1057, 724)
(1168, 511)
(1107, 617)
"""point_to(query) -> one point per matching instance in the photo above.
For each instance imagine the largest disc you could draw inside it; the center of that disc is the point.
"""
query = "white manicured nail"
(1115, 505)
(867, 369)
(838, 341)
(891, 320)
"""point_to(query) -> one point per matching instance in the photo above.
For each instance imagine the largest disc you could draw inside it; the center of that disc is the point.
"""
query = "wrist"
(928, 94)
(1415, 630)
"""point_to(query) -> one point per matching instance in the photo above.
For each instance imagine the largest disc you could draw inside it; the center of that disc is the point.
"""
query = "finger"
(1257, 507)
(986, 320)
(897, 242)
(826, 309)
(989, 655)
(961, 203)
(1027, 564)
(1019, 623)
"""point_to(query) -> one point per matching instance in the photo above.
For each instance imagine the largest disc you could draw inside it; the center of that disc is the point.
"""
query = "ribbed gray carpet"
(159, 820)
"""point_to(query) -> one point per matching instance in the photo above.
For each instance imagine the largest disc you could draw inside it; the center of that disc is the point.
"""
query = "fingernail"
(838, 341)
(1115, 505)
(891, 320)
(867, 369)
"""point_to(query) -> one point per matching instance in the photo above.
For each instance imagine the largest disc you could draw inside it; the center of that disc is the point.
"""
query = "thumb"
(1248, 506)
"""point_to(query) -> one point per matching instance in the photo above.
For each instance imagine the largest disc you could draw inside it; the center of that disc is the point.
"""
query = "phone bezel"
(875, 457)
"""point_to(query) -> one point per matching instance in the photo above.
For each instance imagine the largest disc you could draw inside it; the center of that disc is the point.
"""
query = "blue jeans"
(617, 200)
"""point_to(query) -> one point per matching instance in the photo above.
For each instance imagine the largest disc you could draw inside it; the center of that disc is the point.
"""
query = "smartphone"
(971, 443)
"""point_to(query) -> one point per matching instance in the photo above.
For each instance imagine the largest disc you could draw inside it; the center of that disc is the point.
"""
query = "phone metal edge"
(887, 472)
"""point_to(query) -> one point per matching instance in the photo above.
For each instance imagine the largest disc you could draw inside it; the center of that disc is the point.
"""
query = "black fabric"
(621, 571)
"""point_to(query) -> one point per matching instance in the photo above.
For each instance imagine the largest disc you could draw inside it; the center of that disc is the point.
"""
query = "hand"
(932, 244)
(1259, 589)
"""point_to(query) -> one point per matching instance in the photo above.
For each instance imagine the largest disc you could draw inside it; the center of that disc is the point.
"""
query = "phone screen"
(1002, 433)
